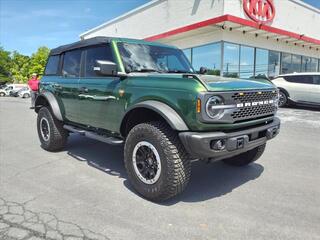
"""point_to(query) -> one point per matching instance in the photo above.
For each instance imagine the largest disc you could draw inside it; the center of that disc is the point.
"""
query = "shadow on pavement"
(207, 180)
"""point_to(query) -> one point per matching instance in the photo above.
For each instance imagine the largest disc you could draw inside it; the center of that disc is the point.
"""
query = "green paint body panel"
(178, 92)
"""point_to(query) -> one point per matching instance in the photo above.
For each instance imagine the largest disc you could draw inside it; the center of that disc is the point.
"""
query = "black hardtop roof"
(80, 44)
(100, 40)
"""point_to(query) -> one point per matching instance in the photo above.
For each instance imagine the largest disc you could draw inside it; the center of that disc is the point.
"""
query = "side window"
(71, 63)
(52, 65)
(316, 79)
(303, 79)
(93, 54)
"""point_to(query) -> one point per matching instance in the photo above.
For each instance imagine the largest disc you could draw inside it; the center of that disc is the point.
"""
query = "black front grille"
(259, 105)
(254, 96)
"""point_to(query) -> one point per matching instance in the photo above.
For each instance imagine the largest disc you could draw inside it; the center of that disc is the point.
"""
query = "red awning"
(245, 26)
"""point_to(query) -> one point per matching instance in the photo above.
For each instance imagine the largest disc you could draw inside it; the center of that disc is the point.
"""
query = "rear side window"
(303, 79)
(71, 63)
(96, 53)
(52, 65)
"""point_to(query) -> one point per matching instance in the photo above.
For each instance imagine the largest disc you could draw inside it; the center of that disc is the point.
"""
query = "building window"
(273, 64)
(208, 56)
(231, 60)
(188, 52)
(261, 64)
(296, 63)
(286, 60)
(314, 63)
(246, 62)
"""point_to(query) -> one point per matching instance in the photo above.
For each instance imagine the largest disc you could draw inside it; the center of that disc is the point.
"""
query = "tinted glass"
(208, 56)
(261, 67)
(246, 62)
(96, 53)
(274, 64)
(316, 79)
(52, 65)
(71, 63)
(231, 60)
(303, 79)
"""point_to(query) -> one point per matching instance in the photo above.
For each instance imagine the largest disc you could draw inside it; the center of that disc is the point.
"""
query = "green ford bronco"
(147, 96)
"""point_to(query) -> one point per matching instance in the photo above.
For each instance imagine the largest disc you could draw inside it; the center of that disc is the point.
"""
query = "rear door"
(300, 87)
(98, 95)
(66, 87)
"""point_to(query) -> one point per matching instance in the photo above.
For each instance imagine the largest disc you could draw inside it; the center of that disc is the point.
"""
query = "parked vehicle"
(299, 89)
(24, 92)
(10, 89)
(147, 96)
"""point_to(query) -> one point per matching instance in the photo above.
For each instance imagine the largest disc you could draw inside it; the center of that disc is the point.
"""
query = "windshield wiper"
(146, 70)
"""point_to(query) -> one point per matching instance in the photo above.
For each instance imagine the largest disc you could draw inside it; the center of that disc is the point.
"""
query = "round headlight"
(212, 107)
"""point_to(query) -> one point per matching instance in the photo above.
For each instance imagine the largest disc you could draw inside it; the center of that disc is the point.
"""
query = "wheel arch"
(48, 99)
(148, 111)
(284, 90)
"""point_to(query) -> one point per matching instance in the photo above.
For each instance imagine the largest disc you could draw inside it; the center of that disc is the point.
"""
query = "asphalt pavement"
(83, 191)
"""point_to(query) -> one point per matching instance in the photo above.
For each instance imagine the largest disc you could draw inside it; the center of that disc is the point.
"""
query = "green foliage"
(15, 67)
(5, 62)
(38, 61)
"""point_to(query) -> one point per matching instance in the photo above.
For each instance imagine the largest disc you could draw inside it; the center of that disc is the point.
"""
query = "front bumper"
(200, 144)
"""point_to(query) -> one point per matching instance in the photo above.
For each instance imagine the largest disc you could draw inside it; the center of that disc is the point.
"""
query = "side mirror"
(103, 67)
(203, 70)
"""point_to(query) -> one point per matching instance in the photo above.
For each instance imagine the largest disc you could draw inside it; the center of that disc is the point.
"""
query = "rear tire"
(52, 135)
(246, 158)
(26, 95)
(162, 152)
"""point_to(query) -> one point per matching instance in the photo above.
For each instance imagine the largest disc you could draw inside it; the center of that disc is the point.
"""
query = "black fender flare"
(51, 99)
(164, 110)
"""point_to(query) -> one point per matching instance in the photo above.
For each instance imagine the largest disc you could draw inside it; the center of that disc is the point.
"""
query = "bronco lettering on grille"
(259, 103)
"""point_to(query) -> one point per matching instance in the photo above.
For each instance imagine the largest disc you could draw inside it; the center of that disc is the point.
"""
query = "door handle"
(83, 90)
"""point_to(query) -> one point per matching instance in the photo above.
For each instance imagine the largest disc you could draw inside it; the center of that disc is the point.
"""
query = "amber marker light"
(198, 105)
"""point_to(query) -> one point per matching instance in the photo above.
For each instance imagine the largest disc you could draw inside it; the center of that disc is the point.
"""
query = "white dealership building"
(239, 38)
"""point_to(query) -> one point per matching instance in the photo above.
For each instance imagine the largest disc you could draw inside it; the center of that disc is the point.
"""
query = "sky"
(27, 24)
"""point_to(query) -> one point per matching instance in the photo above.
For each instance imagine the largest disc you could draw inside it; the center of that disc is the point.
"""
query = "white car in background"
(299, 89)
(24, 92)
(11, 88)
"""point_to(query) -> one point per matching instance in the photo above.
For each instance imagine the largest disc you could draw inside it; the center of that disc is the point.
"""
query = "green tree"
(38, 60)
(19, 67)
(5, 62)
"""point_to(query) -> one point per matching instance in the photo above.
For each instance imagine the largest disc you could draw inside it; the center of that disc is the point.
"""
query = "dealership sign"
(261, 11)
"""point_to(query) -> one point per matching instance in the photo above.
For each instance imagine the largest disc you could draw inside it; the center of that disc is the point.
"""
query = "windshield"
(148, 58)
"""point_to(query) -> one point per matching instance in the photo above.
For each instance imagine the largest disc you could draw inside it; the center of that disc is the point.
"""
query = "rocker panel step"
(93, 135)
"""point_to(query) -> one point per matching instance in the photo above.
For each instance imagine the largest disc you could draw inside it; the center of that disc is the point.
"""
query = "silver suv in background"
(299, 89)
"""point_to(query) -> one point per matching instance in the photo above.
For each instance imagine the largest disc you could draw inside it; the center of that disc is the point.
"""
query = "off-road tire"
(175, 162)
(285, 101)
(58, 135)
(246, 158)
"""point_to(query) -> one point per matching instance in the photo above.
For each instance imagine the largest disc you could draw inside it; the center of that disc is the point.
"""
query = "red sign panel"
(261, 11)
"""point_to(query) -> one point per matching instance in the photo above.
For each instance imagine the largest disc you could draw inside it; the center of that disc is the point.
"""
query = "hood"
(216, 83)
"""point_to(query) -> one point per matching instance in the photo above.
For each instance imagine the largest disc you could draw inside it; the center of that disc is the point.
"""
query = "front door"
(98, 95)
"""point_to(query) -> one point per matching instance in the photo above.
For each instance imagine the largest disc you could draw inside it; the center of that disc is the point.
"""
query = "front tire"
(283, 99)
(26, 95)
(157, 164)
(52, 135)
(246, 158)
(2, 94)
